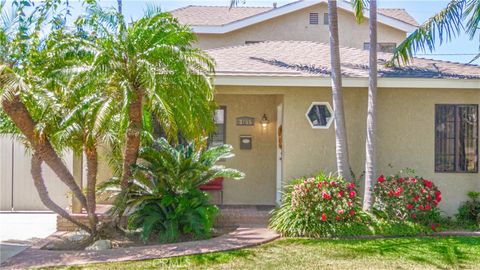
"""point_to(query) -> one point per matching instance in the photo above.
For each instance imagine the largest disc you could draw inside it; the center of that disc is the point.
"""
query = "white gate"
(17, 191)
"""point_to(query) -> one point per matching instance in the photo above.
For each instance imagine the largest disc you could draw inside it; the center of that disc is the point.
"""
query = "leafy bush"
(469, 212)
(164, 197)
(407, 198)
(320, 206)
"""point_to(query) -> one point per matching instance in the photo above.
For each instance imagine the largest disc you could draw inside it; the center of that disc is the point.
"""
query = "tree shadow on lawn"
(439, 252)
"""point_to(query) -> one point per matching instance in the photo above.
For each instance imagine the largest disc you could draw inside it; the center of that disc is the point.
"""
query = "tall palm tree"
(152, 63)
(457, 16)
(341, 143)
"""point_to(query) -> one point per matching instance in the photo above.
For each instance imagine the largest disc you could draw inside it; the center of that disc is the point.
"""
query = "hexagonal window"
(320, 115)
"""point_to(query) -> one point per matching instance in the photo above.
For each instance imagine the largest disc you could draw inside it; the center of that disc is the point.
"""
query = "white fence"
(17, 191)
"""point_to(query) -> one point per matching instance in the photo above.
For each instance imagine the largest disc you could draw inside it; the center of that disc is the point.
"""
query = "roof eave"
(313, 81)
(222, 29)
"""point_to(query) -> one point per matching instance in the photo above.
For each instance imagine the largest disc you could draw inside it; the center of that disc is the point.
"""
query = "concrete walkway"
(240, 238)
(18, 231)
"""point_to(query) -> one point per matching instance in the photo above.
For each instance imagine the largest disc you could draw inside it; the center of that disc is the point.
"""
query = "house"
(274, 91)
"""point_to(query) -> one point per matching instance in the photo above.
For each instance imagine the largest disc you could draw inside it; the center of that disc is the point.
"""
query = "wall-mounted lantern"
(264, 121)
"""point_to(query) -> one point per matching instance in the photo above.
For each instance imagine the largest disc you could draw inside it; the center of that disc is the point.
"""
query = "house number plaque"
(245, 121)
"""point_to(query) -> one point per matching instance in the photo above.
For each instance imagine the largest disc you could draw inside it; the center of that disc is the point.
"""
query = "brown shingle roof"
(399, 14)
(305, 58)
(221, 15)
(215, 15)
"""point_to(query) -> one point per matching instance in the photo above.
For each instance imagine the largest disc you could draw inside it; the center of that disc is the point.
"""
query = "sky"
(461, 49)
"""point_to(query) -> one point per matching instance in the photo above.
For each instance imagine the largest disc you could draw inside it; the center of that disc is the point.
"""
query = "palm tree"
(457, 16)
(341, 143)
(152, 63)
(17, 44)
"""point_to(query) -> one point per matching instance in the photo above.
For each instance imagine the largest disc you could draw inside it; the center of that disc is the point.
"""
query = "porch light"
(264, 121)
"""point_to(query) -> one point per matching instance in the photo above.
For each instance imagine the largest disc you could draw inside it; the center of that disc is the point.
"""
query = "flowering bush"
(320, 206)
(325, 199)
(408, 198)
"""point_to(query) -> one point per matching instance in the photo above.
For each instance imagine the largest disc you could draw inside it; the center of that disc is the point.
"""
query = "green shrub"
(320, 206)
(163, 197)
(407, 198)
(469, 211)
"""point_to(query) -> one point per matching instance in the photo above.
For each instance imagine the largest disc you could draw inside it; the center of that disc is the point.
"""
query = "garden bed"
(63, 240)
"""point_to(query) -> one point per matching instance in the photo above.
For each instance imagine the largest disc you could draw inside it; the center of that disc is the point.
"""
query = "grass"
(294, 253)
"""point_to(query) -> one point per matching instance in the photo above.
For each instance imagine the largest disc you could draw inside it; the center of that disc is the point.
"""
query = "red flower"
(319, 185)
(340, 194)
(438, 196)
(352, 212)
(414, 180)
(337, 218)
(409, 206)
(333, 183)
(324, 217)
(429, 198)
(349, 203)
(326, 196)
(351, 186)
(414, 216)
(421, 207)
(428, 207)
(399, 191)
(381, 179)
(390, 193)
(400, 180)
(434, 227)
(352, 194)
(427, 183)
(416, 198)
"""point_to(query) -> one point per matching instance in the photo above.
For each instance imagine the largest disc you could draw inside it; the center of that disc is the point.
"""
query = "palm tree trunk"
(370, 162)
(36, 171)
(19, 114)
(119, 4)
(341, 146)
(92, 169)
(132, 140)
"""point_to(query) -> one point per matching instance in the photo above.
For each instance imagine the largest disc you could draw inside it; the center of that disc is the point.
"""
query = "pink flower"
(326, 196)
(340, 194)
(340, 211)
(324, 217)
(352, 194)
(349, 203)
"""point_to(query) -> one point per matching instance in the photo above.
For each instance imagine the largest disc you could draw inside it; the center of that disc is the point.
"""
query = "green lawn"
(393, 253)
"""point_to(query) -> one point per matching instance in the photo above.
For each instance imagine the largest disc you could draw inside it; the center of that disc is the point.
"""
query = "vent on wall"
(313, 18)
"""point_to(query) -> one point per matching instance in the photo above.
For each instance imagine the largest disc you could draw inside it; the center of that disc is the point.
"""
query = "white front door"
(278, 197)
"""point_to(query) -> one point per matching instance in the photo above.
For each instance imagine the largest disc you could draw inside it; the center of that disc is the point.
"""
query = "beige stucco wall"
(405, 134)
(295, 26)
(259, 163)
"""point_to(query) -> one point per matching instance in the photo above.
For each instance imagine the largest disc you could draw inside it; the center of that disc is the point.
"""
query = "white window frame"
(329, 108)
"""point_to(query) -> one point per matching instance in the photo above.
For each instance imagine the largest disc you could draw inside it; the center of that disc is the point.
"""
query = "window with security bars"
(456, 138)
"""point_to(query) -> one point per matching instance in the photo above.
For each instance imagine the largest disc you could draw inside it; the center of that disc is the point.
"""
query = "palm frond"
(442, 27)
